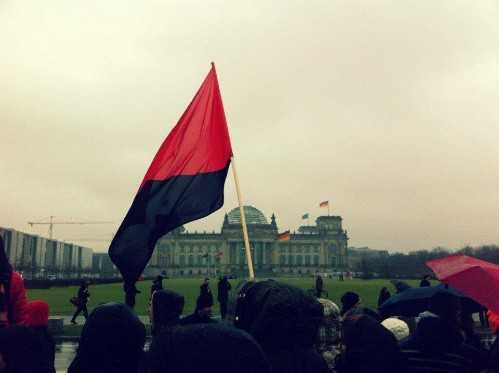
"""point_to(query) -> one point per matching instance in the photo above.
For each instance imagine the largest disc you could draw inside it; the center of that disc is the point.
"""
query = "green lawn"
(58, 298)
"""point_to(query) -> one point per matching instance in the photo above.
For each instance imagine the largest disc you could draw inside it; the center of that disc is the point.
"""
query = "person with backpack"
(13, 302)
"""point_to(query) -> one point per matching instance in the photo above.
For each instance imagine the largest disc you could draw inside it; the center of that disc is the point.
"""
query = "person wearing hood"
(284, 320)
(112, 341)
(13, 300)
(206, 348)
(22, 351)
(166, 308)
(367, 346)
(437, 332)
(38, 319)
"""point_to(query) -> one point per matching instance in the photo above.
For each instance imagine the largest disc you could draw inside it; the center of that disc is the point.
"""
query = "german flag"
(184, 182)
(284, 237)
(324, 204)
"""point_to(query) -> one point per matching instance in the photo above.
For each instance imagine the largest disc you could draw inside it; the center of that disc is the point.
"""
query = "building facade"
(317, 249)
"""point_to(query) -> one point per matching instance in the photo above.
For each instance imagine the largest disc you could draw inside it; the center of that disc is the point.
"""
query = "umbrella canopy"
(476, 278)
(411, 302)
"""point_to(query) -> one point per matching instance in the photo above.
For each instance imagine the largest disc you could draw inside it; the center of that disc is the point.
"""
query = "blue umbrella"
(411, 302)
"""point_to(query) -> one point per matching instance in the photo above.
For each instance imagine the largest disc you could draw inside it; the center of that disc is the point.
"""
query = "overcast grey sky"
(388, 109)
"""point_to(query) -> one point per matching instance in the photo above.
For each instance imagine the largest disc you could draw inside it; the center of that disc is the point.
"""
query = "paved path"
(81, 320)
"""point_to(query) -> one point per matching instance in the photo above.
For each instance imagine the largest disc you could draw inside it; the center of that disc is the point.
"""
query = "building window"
(307, 260)
(191, 260)
(282, 260)
(316, 260)
(299, 260)
(200, 260)
(291, 260)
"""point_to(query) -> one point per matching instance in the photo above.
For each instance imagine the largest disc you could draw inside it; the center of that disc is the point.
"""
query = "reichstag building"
(313, 249)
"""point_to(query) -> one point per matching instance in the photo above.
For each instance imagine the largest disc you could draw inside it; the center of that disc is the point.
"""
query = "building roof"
(253, 216)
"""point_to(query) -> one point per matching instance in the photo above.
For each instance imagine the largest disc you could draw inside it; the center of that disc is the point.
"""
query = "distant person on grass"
(425, 282)
(319, 285)
(223, 295)
(83, 295)
(130, 292)
(157, 284)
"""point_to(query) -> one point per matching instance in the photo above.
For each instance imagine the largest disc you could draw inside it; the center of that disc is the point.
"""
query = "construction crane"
(51, 223)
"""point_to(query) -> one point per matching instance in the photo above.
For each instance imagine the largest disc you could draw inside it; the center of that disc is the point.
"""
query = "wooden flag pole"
(243, 220)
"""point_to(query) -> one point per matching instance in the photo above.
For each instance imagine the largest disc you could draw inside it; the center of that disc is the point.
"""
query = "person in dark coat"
(223, 295)
(367, 346)
(319, 285)
(384, 294)
(165, 311)
(83, 295)
(204, 289)
(112, 341)
(425, 281)
(22, 351)
(157, 284)
(201, 315)
(437, 331)
(284, 320)
(38, 319)
(130, 292)
(206, 348)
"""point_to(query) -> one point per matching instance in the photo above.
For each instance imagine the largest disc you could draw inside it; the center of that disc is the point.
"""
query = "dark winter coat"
(371, 348)
(284, 320)
(435, 336)
(112, 341)
(223, 290)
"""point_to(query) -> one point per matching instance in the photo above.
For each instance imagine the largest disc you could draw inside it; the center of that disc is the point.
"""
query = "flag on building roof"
(324, 204)
(284, 237)
(184, 182)
(219, 255)
(305, 216)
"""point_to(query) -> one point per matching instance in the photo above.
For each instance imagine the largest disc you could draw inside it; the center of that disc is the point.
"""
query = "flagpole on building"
(243, 220)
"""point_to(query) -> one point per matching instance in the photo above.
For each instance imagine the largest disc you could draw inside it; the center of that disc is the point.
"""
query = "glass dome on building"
(253, 216)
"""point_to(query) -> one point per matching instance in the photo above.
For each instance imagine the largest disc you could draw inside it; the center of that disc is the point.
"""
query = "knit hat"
(204, 301)
(398, 327)
(493, 321)
(38, 313)
(349, 300)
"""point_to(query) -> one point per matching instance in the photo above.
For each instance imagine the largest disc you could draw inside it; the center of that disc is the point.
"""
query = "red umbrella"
(476, 278)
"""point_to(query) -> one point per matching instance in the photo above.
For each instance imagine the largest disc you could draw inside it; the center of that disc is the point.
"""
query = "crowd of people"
(265, 326)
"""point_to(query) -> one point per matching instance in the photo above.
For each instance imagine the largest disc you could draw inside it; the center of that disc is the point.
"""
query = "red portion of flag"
(284, 237)
(200, 142)
(219, 255)
(185, 181)
(324, 204)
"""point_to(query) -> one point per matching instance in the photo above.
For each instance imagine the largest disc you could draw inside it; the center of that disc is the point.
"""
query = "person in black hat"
(201, 315)
(157, 284)
(350, 300)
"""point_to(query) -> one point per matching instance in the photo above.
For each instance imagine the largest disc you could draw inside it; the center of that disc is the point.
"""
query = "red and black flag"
(184, 182)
